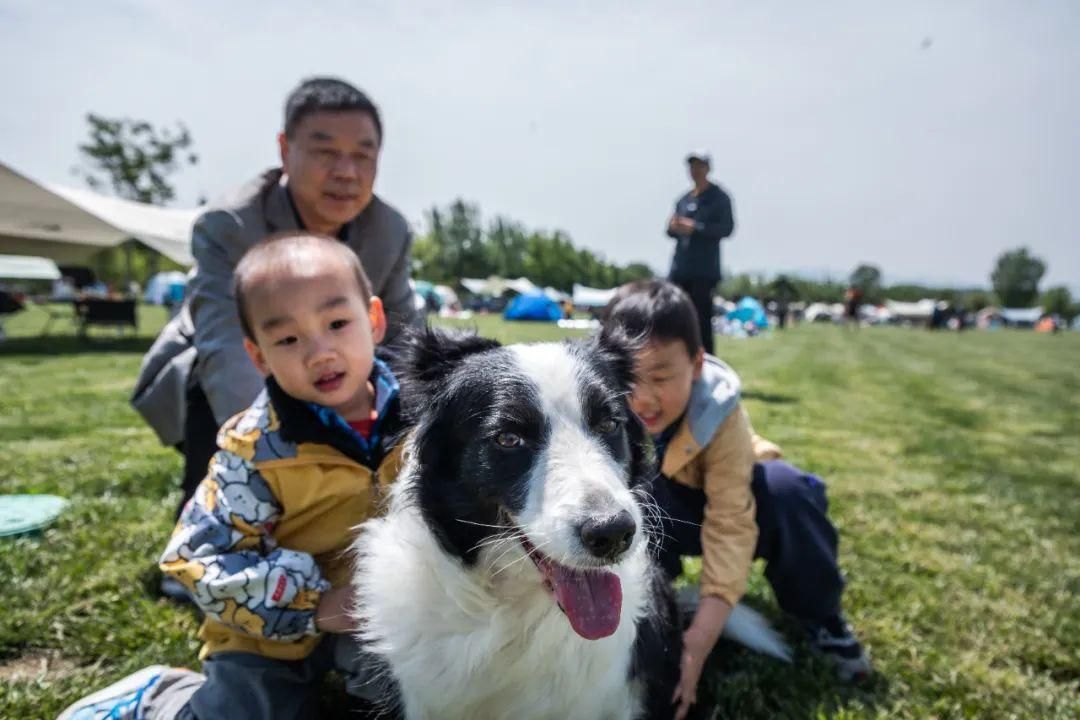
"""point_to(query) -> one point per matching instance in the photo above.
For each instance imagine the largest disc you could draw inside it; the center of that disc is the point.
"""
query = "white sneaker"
(123, 700)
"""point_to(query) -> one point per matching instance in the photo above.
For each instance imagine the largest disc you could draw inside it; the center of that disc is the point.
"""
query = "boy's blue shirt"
(386, 390)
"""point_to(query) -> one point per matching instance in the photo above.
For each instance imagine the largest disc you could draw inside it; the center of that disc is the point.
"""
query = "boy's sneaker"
(123, 700)
(833, 639)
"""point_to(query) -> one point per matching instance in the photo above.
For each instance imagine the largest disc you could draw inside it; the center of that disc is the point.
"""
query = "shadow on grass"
(771, 398)
(51, 346)
(740, 683)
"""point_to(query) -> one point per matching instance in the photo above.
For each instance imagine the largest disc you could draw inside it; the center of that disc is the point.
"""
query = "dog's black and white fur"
(519, 517)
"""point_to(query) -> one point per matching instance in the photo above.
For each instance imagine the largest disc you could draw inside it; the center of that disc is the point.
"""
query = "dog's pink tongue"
(592, 600)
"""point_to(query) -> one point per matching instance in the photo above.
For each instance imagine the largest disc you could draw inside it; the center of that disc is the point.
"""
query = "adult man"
(701, 220)
(197, 375)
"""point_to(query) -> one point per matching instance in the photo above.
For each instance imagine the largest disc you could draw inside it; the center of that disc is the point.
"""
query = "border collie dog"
(511, 576)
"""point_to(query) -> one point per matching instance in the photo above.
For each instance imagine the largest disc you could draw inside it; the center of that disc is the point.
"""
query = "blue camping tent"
(749, 309)
(534, 305)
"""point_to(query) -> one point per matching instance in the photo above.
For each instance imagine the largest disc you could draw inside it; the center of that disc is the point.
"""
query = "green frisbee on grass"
(21, 514)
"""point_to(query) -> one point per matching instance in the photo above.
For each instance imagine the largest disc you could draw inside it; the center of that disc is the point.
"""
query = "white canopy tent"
(585, 296)
(911, 311)
(496, 286)
(17, 267)
(68, 225)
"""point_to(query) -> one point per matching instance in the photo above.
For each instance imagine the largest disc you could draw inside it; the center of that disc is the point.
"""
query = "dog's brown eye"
(508, 440)
(606, 427)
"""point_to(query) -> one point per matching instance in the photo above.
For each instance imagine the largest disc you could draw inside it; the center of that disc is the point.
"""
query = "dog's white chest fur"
(464, 644)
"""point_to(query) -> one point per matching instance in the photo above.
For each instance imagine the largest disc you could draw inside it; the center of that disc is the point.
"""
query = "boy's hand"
(698, 642)
(332, 614)
(696, 649)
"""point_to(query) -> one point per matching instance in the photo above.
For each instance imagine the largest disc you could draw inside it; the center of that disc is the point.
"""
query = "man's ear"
(256, 356)
(377, 317)
(699, 362)
(283, 149)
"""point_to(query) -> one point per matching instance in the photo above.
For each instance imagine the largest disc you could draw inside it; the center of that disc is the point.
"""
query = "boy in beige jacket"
(723, 491)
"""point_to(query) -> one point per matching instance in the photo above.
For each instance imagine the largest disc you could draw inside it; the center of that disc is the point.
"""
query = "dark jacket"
(698, 255)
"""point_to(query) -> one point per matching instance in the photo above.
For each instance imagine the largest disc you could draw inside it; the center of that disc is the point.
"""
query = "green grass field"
(953, 464)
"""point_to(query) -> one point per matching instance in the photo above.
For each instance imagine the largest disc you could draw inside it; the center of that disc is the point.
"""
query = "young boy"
(724, 493)
(262, 545)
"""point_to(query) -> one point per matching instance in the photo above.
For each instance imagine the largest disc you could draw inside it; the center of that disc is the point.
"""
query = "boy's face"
(314, 334)
(666, 371)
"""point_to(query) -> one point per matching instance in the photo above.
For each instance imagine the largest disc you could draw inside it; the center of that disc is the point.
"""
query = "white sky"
(839, 135)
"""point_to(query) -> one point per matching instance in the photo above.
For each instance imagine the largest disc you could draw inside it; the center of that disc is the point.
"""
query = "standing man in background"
(702, 218)
(197, 374)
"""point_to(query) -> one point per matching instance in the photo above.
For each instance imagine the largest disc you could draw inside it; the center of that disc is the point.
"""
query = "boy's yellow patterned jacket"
(267, 531)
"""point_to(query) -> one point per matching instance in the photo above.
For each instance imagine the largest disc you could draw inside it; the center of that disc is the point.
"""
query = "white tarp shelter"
(18, 267)
(68, 225)
(556, 294)
(585, 296)
(824, 312)
(1021, 317)
(922, 310)
(495, 286)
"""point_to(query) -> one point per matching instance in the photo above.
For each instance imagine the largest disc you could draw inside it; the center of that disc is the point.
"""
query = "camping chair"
(55, 310)
(113, 313)
(9, 305)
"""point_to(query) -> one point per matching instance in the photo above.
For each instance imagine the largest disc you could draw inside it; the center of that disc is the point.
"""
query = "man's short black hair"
(654, 310)
(326, 94)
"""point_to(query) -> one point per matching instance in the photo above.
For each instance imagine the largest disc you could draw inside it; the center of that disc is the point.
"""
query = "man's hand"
(681, 225)
(332, 615)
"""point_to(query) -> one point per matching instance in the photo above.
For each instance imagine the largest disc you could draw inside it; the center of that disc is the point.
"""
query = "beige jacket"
(714, 450)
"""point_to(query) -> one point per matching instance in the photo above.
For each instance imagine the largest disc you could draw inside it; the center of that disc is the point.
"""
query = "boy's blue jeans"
(795, 538)
(242, 686)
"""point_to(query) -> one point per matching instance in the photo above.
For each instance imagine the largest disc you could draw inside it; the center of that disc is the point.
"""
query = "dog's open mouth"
(591, 599)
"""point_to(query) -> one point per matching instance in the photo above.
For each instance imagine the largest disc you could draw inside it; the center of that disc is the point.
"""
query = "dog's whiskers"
(510, 547)
(487, 525)
(525, 556)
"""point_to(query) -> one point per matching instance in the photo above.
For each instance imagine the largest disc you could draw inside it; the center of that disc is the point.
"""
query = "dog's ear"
(430, 353)
(643, 460)
(618, 349)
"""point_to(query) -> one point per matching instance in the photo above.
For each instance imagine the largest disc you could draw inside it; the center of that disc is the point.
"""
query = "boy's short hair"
(327, 94)
(278, 251)
(654, 310)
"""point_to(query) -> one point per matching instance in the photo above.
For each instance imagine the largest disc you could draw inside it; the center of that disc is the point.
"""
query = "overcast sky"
(923, 137)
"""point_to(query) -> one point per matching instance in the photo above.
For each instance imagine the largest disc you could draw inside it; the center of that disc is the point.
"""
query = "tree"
(1016, 278)
(456, 246)
(976, 300)
(867, 278)
(135, 158)
(782, 290)
(1058, 301)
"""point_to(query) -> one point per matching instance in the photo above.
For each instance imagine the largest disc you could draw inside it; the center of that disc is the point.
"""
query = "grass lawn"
(953, 464)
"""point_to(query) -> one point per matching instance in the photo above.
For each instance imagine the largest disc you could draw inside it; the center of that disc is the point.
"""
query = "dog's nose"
(608, 537)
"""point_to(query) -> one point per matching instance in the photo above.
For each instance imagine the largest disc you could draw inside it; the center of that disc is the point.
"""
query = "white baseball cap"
(699, 154)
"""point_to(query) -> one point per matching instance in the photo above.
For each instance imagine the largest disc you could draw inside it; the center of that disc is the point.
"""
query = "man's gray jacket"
(207, 328)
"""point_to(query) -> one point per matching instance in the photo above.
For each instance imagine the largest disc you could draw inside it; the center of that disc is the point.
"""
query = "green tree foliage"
(134, 160)
(867, 278)
(1016, 278)
(1058, 301)
(458, 245)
